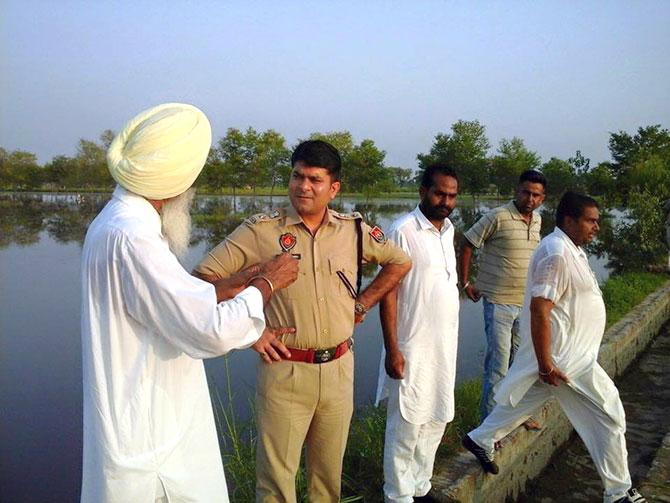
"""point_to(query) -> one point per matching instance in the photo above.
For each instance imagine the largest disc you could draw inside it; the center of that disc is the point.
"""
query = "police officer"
(305, 383)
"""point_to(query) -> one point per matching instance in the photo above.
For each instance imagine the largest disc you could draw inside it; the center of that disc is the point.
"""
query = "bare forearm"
(540, 329)
(387, 279)
(388, 315)
(227, 288)
(464, 261)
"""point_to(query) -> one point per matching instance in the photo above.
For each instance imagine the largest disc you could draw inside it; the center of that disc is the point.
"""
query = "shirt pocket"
(344, 283)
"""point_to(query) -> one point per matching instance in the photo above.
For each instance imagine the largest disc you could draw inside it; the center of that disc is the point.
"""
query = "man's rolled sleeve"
(481, 230)
(550, 278)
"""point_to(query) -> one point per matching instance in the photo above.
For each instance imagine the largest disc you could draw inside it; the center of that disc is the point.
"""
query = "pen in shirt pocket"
(350, 288)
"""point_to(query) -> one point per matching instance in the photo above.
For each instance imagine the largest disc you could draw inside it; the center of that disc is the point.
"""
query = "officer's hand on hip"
(270, 346)
(394, 363)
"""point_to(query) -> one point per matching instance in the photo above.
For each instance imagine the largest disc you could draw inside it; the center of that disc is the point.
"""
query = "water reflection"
(65, 218)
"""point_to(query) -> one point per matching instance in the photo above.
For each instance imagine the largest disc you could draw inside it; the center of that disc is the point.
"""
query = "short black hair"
(533, 176)
(319, 154)
(427, 177)
(572, 205)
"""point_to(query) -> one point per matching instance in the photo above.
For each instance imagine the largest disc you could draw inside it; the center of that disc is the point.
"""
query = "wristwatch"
(360, 309)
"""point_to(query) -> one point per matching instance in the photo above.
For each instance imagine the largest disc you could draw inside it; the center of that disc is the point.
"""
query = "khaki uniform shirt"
(508, 243)
(318, 303)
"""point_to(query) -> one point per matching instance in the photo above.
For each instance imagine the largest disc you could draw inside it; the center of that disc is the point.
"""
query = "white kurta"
(559, 271)
(427, 327)
(146, 325)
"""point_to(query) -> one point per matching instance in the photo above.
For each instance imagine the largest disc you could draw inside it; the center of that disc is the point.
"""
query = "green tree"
(211, 174)
(247, 158)
(4, 169)
(465, 149)
(402, 177)
(637, 241)
(61, 172)
(627, 150)
(19, 169)
(367, 173)
(580, 164)
(341, 140)
(513, 159)
(640, 160)
(91, 159)
(106, 138)
(560, 176)
(274, 157)
(600, 181)
(651, 175)
(232, 152)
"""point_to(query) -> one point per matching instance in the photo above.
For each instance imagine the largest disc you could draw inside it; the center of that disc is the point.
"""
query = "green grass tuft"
(622, 292)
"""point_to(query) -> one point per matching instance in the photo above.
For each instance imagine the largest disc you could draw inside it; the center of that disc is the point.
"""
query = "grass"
(362, 473)
(624, 291)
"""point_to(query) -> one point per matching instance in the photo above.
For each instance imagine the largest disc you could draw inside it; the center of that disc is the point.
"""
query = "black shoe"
(632, 496)
(488, 465)
(427, 498)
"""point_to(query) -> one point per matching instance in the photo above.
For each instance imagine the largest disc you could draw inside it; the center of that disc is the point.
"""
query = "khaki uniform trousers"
(303, 403)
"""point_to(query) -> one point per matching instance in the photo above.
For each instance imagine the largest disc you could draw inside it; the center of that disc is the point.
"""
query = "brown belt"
(320, 355)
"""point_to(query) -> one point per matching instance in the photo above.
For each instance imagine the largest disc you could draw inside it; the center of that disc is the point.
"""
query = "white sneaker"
(632, 496)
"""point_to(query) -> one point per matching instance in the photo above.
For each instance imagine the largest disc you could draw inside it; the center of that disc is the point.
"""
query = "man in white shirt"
(420, 324)
(562, 325)
(149, 432)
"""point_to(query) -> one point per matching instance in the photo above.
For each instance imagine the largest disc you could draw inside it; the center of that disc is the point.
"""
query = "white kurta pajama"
(421, 404)
(146, 324)
(559, 271)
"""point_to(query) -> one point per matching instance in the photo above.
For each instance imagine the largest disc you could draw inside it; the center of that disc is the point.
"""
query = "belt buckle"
(323, 355)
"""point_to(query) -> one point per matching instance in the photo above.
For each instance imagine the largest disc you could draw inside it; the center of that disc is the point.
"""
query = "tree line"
(251, 159)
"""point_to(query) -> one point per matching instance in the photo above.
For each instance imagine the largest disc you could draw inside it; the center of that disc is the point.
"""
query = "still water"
(40, 348)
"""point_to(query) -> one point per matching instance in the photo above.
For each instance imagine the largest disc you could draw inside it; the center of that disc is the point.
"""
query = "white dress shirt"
(559, 271)
(146, 325)
(427, 328)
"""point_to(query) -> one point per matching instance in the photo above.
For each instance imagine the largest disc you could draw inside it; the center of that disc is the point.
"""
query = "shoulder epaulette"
(263, 217)
(354, 215)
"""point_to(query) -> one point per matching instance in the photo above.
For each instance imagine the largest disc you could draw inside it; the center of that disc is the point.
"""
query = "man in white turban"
(149, 432)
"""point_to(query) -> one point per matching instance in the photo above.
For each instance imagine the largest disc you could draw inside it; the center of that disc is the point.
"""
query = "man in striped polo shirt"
(507, 237)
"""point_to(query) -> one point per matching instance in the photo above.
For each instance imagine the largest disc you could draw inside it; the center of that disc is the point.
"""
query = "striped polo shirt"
(506, 242)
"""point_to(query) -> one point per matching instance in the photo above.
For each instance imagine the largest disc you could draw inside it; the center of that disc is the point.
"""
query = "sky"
(559, 75)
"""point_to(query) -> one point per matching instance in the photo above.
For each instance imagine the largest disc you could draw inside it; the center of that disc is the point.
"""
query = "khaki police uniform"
(301, 402)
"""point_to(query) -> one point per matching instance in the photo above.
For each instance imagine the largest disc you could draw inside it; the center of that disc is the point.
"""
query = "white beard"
(176, 223)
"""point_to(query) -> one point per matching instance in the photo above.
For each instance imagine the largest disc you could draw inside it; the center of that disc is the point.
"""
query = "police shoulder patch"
(378, 234)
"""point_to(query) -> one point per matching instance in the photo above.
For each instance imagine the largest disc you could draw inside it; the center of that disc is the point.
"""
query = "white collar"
(578, 250)
(426, 225)
(140, 206)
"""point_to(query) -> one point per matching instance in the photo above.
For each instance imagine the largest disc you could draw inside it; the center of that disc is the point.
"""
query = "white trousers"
(603, 436)
(409, 453)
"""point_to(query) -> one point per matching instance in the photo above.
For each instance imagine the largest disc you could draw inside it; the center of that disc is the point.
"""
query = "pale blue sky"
(560, 75)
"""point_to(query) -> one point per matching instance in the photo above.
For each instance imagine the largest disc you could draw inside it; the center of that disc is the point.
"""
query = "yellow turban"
(160, 152)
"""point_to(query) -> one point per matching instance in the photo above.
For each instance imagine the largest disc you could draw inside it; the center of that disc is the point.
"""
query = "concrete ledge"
(525, 454)
(656, 486)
